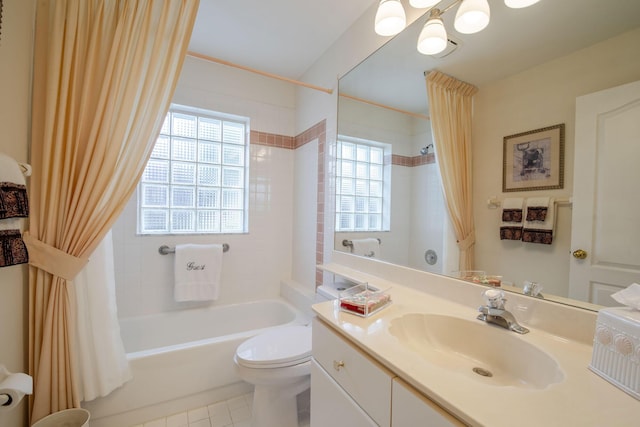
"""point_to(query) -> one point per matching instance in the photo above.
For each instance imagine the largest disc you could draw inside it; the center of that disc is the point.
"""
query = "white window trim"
(177, 108)
(386, 181)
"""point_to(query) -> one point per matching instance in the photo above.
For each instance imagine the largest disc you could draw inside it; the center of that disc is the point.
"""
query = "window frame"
(385, 215)
(169, 208)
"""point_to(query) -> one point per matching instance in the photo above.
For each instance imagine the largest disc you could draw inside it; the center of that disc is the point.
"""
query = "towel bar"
(349, 243)
(166, 250)
(494, 202)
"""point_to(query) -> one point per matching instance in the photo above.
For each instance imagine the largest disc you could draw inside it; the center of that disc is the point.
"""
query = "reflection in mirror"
(530, 65)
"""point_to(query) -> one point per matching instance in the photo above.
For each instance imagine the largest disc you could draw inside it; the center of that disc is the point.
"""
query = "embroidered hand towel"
(541, 231)
(13, 191)
(537, 208)
(366, 247)
(197, 272)
(13, 251)
(511, 225)
(13, 207)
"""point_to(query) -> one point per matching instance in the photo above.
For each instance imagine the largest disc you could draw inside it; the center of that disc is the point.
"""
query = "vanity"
(426, 360)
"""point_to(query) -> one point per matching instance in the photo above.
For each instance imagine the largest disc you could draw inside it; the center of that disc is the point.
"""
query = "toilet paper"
(14, 387)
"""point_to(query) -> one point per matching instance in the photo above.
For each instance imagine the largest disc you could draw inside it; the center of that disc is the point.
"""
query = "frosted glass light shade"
(390, 18)
(518, 4)
(472, 16)
(421, 4)
(433, 37)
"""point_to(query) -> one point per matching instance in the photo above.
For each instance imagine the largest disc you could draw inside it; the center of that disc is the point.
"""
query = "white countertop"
(581, 399)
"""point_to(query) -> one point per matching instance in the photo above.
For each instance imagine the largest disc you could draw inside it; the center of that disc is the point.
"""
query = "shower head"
(425, 150)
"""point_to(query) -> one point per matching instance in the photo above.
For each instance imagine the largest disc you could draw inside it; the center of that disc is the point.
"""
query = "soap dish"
(363, 300)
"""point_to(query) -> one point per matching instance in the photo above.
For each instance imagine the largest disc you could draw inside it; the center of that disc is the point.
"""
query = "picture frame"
(534, 160)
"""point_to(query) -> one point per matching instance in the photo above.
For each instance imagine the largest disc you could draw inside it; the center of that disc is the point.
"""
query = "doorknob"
(580, 254)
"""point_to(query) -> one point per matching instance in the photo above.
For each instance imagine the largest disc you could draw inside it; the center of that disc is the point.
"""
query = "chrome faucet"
(494, 312)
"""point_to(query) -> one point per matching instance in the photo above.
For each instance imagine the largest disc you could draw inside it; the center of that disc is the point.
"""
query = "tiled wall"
(317, 132)
(257, 261)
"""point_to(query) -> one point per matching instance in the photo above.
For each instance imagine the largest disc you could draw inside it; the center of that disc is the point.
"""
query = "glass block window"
(195, 181)
(362, 185)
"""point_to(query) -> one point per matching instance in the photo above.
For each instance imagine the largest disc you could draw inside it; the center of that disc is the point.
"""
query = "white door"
(606, 194)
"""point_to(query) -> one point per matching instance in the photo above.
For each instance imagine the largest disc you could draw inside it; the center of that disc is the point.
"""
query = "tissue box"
(363, 300)
(616, 348)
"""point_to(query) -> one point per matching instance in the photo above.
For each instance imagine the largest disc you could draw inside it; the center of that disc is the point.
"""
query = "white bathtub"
(184, 359)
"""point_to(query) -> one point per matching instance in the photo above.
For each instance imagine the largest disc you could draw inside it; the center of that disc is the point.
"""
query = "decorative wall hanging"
(534, 160)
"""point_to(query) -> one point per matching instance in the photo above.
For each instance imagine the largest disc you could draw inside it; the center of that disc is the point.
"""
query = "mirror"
(529, 65)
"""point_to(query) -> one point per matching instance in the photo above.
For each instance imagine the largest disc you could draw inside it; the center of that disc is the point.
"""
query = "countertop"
(582, 398)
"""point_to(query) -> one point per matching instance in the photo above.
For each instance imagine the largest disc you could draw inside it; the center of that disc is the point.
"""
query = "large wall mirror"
(530, 65)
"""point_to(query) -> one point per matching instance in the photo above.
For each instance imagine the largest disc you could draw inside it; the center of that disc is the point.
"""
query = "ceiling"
(286, 37)
(283, 37)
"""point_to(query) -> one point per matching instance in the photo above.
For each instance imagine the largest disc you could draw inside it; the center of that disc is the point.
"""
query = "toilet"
(277, 363)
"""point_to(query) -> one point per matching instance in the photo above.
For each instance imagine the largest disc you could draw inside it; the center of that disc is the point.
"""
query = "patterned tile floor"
(235, 412)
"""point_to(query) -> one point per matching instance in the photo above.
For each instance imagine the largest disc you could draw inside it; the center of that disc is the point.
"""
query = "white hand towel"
(366, 247)
(10, 173)
(538, 208)
(511, 225)
(197, 272)
(541, 231)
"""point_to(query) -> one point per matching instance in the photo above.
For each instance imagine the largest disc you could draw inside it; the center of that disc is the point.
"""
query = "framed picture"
(534, 160)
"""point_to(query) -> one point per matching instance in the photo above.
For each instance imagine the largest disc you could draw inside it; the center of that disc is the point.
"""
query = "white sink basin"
(472, 348)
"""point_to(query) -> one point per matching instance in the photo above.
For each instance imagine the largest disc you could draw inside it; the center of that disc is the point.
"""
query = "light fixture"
(518, 4)
(472, 16)
(390, 18)
(433, 37)
(421, 4)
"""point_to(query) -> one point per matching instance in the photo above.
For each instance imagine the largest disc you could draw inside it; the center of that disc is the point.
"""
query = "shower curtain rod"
(262, 73)
(376, 104)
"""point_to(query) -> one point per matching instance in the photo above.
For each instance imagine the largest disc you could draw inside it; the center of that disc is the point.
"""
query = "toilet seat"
(277, 348)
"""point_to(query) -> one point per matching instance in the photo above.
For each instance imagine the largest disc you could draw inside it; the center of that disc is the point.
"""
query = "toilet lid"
(278, 347)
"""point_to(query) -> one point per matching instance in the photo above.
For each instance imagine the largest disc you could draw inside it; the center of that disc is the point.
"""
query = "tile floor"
(235, 412)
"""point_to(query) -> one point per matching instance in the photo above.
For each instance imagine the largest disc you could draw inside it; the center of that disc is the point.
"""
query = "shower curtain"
(450, 108)
(102, 361)
(104, 75)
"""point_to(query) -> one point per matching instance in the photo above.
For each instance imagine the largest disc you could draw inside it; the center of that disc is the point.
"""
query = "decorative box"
(616, 348)
(363, 300)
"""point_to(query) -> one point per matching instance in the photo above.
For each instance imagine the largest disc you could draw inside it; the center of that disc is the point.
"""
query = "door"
(605, 232)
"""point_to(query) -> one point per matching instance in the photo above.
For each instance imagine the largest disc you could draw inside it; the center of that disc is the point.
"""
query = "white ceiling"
(286, 37)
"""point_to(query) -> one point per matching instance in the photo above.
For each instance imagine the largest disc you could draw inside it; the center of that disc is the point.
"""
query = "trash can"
(76, 417)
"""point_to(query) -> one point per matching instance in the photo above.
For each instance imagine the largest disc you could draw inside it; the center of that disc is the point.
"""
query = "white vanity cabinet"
(365, 382)
(410, 409)
(350, 389)
(331, 405)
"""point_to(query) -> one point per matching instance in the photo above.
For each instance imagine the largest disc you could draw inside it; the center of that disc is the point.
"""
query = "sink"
(477, 350)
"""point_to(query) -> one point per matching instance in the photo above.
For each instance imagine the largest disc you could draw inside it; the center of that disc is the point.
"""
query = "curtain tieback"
(53, 260)
(467, 242)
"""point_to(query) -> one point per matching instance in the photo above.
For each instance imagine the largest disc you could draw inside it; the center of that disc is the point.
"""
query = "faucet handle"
(494, 298)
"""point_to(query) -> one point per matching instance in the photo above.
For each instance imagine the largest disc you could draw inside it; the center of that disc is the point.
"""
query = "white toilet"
(278, 363)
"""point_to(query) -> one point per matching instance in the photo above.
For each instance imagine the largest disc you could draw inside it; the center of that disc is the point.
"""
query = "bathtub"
(184, 359)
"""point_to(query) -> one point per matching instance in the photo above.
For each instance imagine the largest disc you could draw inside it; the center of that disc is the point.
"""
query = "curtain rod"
(366, 101)
(262, 73)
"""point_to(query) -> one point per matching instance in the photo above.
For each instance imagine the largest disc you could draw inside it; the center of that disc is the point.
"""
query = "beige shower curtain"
(450, 109)
(104, 75)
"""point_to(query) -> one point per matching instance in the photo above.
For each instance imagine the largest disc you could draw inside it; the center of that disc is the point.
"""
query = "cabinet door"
(331, 405)
(410, 409)
(365, 380)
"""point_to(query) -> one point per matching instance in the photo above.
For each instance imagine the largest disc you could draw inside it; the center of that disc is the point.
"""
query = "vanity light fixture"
(433, 37)
(390, 18)
(421, 4)
(472, 16)
(518, 4)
